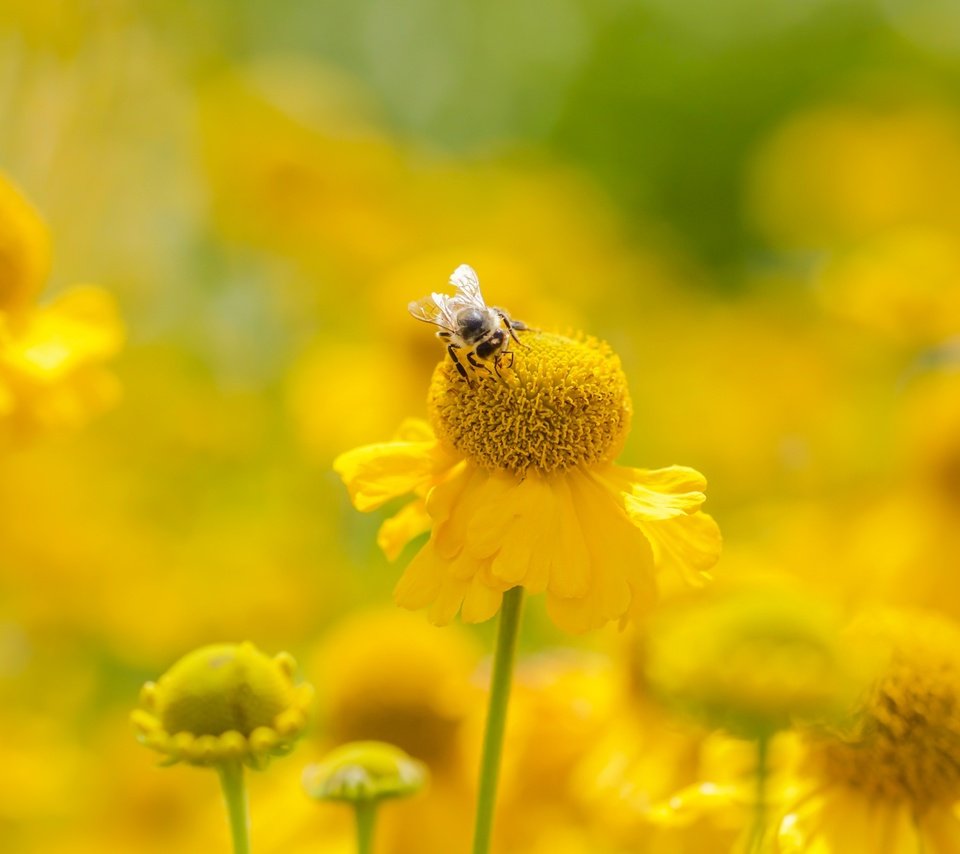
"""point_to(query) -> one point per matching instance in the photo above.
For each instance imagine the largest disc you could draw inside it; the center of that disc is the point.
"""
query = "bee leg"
(500, 362)
(477, 366)
(512, 325)
(452, 350)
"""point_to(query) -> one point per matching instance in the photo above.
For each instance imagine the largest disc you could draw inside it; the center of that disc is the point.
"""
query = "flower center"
(906, 745)
(562, 403)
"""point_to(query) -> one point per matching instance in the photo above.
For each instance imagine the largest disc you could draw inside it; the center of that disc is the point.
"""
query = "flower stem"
(235, 795)
(500, 680)
(366, 814)
(760, 805)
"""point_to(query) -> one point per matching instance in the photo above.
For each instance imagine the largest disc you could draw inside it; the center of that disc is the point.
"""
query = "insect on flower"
(473, 331)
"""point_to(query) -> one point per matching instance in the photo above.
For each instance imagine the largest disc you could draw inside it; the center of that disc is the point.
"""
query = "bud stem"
(366, 814)
(500, 680)
(235, 796)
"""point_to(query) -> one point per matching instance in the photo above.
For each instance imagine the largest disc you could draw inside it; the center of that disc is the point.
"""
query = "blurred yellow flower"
(905, 284)
(389, 676)
(560, 704)
(840, 173)
(755, 659)
(719, 812)
(641, 755)
(891, 781)
(562, 701)
(520, 490)
(900, 546)
(224, 703)
(51, 356)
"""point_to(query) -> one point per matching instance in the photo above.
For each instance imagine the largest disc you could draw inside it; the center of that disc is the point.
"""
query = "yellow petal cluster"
(516, 484)
(890, 781)
(51, 355)
(389, 676)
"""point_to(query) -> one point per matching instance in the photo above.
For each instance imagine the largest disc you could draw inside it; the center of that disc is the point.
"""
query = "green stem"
(760, 805)
(366, 814)
(235, 795)
(496, 717)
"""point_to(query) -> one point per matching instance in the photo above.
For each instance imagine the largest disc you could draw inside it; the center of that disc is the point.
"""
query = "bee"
(474, 332)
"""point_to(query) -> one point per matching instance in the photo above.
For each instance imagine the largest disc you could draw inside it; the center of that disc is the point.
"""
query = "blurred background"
(757, 203)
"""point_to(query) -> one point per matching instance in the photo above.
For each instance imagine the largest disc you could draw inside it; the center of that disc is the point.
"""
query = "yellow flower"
(517, 485)
(719, 812)
(364, 771)
(840, 173)
(224, 703)
(51, 356)
(561, 702)
(641, 756)
(891, 782)
(902, 284)
(389, 676)
(755, 659)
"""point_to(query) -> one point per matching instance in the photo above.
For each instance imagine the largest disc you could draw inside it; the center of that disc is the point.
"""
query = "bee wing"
(464, 278)
(435, 309)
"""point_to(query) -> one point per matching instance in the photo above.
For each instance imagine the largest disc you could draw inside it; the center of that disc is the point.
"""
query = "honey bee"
(474, 332)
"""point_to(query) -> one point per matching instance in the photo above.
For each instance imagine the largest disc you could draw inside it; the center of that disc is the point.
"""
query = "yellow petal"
(395, 532)
(443, 497)
(421, 580)
(694, 803)
(452, 505)
(620, 560)
(448, 601)
(660, 493)
(688, 545)
(480, 602)
(570, 561)
(939, 830)
(525, 547)
(504, 502)
(373, 474)
(840, 820)
(568, 614)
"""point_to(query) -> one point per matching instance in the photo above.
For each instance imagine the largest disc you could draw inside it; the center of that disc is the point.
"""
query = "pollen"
(562, 403)
(905, 744)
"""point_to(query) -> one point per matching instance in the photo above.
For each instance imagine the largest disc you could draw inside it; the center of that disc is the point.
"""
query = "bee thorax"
(472, 324)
